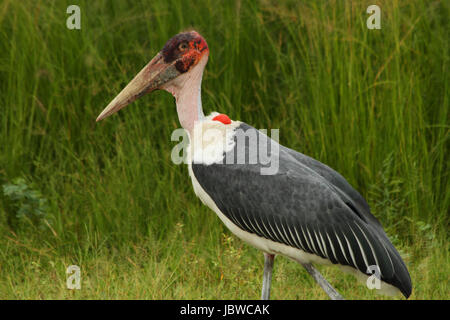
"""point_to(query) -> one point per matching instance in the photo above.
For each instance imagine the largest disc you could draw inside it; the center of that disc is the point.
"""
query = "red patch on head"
(199, 43)
(186, 48)
(222, 118)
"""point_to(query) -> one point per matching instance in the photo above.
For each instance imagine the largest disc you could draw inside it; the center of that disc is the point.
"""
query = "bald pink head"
(168, 70)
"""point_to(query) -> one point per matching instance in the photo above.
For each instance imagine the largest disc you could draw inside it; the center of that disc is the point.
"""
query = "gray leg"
(267, 277)
(326, 286)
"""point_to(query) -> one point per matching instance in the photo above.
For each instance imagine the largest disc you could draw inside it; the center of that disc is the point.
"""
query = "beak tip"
(104, 114)
(99, 118)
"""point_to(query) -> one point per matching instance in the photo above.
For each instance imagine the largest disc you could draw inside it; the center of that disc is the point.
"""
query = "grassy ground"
(373, 104)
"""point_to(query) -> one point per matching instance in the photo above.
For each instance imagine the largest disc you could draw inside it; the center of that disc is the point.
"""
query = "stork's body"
(304, 210)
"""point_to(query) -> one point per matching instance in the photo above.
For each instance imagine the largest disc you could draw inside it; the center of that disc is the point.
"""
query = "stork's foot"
(267, 277)
(326, 286)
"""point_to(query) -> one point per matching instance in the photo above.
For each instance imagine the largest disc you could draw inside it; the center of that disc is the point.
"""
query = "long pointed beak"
(151, 77)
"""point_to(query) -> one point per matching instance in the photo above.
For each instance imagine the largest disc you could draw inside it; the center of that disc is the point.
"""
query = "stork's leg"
(326, 286)
(267, 277)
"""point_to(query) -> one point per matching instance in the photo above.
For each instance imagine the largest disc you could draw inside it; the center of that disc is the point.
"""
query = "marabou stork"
(305, 211)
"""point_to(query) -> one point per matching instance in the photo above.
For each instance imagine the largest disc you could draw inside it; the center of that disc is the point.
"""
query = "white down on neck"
(210, 140)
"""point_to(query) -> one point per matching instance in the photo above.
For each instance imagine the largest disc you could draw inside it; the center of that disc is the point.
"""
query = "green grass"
(373, 104)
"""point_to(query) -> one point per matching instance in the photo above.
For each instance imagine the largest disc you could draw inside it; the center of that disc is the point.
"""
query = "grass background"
(373, 104)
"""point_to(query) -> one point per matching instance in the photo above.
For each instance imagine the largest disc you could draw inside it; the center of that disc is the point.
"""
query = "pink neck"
(187, 91)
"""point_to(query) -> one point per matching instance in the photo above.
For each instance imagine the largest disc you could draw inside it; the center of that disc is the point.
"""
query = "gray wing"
(306, 205)
(357, 203)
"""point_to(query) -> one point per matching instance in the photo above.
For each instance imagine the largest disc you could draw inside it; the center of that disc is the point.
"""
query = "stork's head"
(177, 59)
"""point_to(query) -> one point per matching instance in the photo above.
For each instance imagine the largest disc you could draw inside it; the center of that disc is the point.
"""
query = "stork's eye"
(183, 46)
